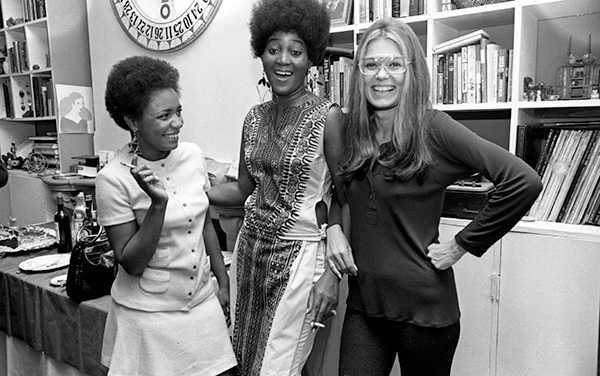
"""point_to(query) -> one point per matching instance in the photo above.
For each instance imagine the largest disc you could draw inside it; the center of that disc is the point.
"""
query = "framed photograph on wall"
(340, 10)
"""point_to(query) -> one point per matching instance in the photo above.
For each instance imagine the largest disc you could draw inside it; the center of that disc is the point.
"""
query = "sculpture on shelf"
(589, 57)
(36, 163)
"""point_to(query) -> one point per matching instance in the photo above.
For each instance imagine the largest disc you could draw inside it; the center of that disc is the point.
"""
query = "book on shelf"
(46, 152)
(376, 11)
(569, 166)
(364, 10)
(396, 8)
(478, 75)
(483, 69)
(472, 73)
(502, 80)
(455, 77)
(571, 162)
(413, 9)
(592, 215)
(339, 51)
(404, 8)
(492, 71)
(575, 188)
(421, 7)
(445, 82)
(440, 62)
(590, 177)
(540, 207)
(456, 44)
(464, 74)
(509, 75)
(547, 152)
(449, 76)
(386, 7)
(6, 90)
(44, 138)
(33, 9)
(531, 142)
(345, 73)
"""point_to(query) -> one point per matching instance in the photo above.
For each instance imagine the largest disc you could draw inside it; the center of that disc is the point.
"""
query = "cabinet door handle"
(495, 287)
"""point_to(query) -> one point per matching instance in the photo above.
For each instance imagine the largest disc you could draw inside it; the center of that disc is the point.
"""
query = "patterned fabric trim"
(268, 269)
(279, 158)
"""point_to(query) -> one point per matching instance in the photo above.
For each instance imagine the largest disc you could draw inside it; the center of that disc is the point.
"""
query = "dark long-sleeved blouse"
(394, 222)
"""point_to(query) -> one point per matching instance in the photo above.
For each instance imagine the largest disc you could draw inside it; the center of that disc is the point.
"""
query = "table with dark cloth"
(46, 319)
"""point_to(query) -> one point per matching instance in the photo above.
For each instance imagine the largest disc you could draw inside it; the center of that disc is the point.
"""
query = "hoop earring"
(134, 145)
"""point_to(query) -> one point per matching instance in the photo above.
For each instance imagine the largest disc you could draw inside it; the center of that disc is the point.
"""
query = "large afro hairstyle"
(131, 84)
(308, 18)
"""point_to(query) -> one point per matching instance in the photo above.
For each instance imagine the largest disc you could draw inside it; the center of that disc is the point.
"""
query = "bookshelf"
(536, 31)
(44, 44)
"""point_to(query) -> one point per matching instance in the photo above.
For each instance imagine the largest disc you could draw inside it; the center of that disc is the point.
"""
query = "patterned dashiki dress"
(280, 250)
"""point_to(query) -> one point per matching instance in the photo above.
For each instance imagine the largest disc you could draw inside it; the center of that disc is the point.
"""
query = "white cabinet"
(530, 305)
(31, 200)
(476, 281)
(549, 306)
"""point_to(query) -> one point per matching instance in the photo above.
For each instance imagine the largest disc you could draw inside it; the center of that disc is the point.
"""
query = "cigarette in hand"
(128, 165)
(318, 325)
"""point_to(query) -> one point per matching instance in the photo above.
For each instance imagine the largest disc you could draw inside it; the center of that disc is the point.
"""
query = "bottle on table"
(91, 215)
(63, 227)
(78, 216)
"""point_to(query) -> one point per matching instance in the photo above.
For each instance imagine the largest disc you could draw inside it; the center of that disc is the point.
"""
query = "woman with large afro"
(282, 288)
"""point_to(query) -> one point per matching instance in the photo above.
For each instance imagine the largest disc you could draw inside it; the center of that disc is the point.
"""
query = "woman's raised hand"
(149, 181)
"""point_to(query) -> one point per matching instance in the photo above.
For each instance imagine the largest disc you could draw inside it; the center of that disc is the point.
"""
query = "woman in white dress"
(165, 318)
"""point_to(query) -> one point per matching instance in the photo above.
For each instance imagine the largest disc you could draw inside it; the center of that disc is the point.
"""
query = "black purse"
(92, 268)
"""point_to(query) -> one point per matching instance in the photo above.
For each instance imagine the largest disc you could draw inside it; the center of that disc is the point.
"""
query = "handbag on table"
(92, 267)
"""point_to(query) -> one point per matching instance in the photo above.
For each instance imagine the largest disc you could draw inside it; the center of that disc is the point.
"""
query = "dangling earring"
(134, 145)
(265, 83)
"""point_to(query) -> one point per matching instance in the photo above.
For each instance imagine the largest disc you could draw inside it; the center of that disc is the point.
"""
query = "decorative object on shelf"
(589, 57)
(14, 21)
(11, 159)
(3, 61)
(448, 5)
(537, 93)
(340, 11)
(475, 3)
(576, 81)
(36, 163)
(160, 26)
(571, 59)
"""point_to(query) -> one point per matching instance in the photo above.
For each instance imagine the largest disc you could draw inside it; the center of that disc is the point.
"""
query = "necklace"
(303, 99)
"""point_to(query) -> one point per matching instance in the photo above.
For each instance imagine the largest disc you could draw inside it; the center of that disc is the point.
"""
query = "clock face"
(164, 25)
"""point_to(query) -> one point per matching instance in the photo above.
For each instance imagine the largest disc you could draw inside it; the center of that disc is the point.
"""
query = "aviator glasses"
(393, 64)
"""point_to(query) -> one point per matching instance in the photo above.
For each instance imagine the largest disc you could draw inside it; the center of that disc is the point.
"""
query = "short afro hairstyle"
(131, 83)
(307, 18)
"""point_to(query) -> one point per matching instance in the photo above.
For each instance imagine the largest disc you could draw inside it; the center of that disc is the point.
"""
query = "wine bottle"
(78, 216)
(63, 226)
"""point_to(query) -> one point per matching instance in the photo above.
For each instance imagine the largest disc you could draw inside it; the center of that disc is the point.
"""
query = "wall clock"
(164, 25)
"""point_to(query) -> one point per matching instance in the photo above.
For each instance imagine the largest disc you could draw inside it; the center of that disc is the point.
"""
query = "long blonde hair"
(410, 133)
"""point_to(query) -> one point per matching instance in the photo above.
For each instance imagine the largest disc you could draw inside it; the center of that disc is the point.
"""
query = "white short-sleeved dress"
(168, 321)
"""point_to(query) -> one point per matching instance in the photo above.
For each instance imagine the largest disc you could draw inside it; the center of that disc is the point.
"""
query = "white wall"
(218, 77)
